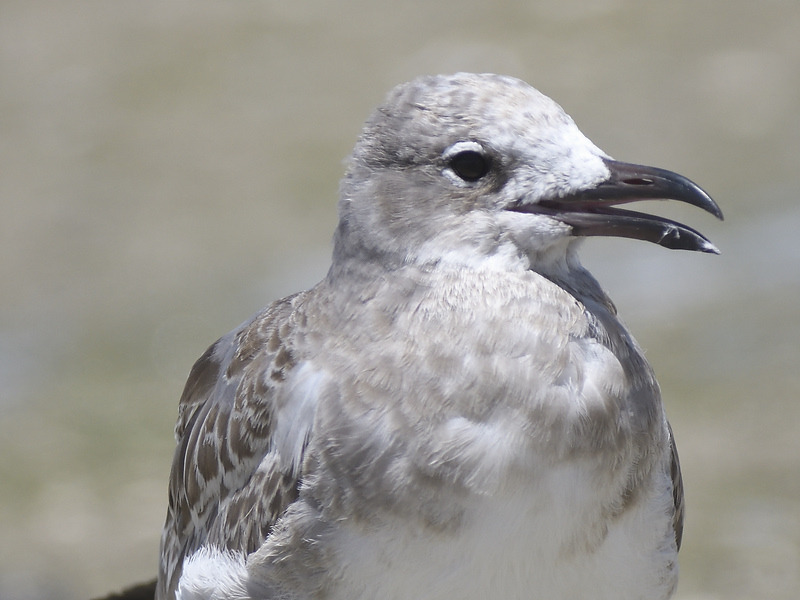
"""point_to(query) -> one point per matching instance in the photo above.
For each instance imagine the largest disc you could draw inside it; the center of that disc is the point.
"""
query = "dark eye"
(469, 165)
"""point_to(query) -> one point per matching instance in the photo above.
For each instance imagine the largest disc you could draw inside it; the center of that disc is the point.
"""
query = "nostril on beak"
(638, 181)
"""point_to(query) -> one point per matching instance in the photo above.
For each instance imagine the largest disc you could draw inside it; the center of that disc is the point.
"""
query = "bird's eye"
(469, 165)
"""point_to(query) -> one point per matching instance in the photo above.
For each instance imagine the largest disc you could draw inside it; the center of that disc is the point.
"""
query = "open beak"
(591, 212)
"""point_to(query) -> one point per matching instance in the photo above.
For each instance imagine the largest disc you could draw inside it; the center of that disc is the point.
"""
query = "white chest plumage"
(541, 540)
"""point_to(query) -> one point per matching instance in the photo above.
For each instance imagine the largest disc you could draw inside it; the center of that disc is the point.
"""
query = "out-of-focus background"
(168, 168)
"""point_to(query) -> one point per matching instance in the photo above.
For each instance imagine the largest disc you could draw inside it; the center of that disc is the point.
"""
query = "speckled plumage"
(455, 411)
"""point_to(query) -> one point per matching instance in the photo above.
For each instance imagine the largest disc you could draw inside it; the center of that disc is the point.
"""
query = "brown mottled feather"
(224, 467)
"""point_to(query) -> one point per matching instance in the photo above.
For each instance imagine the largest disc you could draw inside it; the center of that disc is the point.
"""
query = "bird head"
(484, 171)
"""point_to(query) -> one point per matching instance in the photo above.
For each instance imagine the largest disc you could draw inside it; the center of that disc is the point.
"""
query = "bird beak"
(590, 212)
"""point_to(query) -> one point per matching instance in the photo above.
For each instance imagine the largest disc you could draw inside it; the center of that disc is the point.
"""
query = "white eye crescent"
(466, 162)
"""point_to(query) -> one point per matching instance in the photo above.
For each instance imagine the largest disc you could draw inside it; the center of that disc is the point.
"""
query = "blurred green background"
(167, 168)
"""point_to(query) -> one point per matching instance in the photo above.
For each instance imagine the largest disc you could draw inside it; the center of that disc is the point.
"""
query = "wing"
(677, 489)
(229, 482)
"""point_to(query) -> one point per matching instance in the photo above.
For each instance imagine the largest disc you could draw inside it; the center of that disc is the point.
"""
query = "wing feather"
(677, 489)
(228, 483)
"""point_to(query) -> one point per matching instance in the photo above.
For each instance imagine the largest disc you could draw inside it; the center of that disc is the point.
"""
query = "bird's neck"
(558, 262)
(351, 275)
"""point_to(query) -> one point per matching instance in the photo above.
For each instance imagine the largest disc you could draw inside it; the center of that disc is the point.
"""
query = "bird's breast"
(471, 344)
(474, 381)
(489, 444)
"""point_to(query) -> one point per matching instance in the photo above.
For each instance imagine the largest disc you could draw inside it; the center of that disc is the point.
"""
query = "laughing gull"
(455, 411)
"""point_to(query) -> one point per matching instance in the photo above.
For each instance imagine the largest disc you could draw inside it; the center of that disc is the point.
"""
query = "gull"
(456, 410)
